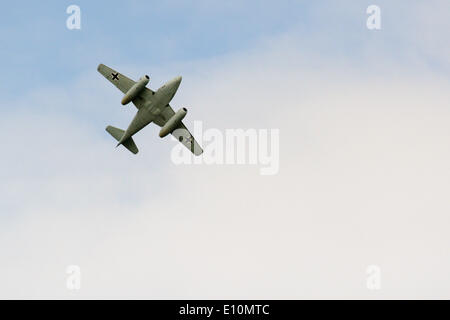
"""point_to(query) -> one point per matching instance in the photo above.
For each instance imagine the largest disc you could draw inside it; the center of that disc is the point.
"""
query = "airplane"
(153, 106)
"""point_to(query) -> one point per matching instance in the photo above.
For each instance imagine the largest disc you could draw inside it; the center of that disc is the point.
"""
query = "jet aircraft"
(153, 106)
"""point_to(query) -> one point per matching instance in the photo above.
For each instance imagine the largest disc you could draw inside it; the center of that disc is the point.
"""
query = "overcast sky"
(364, 172)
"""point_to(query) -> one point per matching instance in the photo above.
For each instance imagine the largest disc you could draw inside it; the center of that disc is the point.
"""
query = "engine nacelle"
(135, 90)
(173, 122)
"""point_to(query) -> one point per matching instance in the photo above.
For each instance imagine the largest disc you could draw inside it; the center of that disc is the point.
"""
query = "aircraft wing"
(181, 133)
(123, 83)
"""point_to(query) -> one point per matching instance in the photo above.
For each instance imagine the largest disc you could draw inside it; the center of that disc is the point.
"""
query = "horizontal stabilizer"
(118, 134)
(115, 132)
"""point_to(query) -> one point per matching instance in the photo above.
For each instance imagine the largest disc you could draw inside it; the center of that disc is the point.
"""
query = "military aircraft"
(153, 106)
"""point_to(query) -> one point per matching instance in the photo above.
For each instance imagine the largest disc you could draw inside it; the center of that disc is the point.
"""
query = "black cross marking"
(189, 139)
(115, 76)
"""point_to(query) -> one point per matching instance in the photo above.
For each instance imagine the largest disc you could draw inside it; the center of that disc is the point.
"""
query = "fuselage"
(164, 95)
(146, 114)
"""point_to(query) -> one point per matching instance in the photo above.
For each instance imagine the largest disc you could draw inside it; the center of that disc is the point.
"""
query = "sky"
(363, 174)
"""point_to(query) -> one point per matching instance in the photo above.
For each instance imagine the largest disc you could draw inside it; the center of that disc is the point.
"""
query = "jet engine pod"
(173, 122)
(135, 90)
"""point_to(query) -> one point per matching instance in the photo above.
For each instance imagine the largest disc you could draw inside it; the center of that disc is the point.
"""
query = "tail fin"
(118, 134)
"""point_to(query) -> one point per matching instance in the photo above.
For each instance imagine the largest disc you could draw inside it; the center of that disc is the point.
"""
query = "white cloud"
(363, 174)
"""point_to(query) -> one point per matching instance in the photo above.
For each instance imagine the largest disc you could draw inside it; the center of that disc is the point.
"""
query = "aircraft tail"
(118, 134)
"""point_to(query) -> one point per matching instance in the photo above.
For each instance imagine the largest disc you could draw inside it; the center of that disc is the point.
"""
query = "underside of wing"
(123, 83)
(164, 116)
(181, 133)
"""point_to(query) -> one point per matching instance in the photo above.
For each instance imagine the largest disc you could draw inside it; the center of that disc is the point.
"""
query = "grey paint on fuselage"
(152, 107)
(145, 115)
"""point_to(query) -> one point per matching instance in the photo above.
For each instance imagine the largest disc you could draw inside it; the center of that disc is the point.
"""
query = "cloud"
(363, 174)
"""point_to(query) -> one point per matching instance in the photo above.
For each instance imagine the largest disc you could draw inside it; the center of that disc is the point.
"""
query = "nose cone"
(176, 81)
(170, 87)
(174, 84)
